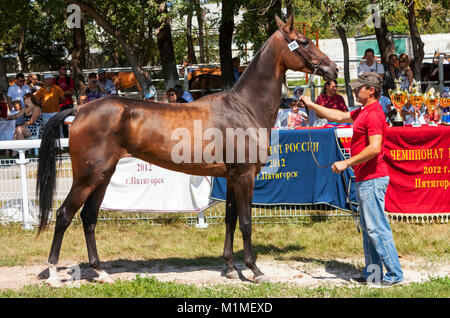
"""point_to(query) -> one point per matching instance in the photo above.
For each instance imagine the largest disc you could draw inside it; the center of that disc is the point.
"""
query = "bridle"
(294, 47)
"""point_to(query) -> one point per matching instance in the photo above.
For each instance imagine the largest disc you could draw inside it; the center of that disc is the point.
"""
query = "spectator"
(296, 117)
(370, 65)
(106, 83)
(32, 118)
(16, 113)
(3, 107)
(16, 91)
(183, 94)
(68, 86)
(386, 104)
(405, 74)
(283, 113)
(236, 62)
(83, 99)
(391, 74)
(50, 96)
(329, 97)
(93, 90)
(171, 97)
(372, 178)
(35, 82)
(298, 91)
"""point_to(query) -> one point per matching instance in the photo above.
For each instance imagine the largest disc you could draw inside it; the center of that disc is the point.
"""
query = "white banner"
(140, 186)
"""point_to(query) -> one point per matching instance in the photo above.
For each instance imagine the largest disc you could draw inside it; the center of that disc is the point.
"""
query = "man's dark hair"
(61, 65)
(20, 75)
(92, 75)
(178, 87)
(369, 50)
(326, 85)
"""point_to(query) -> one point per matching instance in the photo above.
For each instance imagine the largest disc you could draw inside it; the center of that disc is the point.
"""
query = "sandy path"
(296, 272)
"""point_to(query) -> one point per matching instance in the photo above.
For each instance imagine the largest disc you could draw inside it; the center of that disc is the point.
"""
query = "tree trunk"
(288, 5)
(142, 76)
(190, 43)
(225, 40)
(416, 41)
(275, 9)
(385, 39)
(23, 67)
(166, 52)
(201, 39)
(343, 36)
(78, 57)
(3, 79)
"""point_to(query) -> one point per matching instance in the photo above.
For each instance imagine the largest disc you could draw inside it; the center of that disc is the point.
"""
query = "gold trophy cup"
(416, 98)
(398, 98)
(431, 102)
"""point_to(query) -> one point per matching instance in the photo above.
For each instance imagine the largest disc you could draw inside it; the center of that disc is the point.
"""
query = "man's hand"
(305, 100)
(339, 166)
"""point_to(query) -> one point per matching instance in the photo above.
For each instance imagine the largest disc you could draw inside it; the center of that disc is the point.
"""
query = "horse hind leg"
(89, 216)
(73, 202)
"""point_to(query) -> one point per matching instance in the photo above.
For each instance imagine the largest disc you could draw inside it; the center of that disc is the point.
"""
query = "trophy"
(416, 99)
(444, 102)
(398, 98)
(431, 102)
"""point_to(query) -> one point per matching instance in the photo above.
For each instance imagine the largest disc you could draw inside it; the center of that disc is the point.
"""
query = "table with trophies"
(418, 155)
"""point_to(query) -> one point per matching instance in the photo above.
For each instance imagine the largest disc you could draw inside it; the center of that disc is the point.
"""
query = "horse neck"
(259, 87)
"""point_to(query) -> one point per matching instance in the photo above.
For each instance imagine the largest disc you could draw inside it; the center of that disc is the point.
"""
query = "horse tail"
(46, 174)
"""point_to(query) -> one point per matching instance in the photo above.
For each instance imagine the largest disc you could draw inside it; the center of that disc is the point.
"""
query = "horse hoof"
(105, 280)
(233, 275)
(261, 279)
(54, 283)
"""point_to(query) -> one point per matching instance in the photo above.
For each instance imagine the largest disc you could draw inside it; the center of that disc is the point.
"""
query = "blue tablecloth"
(295, 178)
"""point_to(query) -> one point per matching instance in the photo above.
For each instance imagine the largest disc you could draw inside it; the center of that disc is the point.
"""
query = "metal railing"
(18, 201)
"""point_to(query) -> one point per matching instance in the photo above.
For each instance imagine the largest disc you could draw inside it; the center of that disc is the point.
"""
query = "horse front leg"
(243, 191)
(230, 226)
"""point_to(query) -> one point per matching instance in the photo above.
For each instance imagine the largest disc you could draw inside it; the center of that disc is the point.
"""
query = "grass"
(177, 244)
(139, 240)
(142, 287)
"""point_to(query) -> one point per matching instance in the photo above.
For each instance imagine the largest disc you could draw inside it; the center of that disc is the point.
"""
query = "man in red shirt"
(372, 179)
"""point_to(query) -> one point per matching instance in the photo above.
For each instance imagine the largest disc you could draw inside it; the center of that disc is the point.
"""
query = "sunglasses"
(171, 94)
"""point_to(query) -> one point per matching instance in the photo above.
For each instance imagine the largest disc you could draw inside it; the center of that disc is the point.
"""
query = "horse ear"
(290, 22)
(280, 22)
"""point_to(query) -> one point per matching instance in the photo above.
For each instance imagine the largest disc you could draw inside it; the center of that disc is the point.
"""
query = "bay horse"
(104, 130)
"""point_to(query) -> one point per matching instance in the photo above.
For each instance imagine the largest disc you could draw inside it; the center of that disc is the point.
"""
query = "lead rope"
(347, 189)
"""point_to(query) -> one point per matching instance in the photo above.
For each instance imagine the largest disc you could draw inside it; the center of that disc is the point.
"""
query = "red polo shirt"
(368, 121)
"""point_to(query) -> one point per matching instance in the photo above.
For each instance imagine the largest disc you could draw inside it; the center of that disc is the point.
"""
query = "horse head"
(300, 54)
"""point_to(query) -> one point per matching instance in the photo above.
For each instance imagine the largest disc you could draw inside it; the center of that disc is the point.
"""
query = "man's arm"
(328, 113)
(372, 150)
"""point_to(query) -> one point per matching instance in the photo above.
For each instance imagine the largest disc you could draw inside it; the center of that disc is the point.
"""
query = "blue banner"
(292, 177)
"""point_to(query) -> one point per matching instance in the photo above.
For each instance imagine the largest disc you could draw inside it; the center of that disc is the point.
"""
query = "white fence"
(18, 201)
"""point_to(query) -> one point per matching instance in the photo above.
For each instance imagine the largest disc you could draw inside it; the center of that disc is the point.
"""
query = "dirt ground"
(311, 274)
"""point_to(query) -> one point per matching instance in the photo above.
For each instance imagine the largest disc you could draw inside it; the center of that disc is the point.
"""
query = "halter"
(294, 47)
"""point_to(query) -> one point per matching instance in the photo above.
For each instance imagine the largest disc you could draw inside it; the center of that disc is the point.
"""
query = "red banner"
(419, 169)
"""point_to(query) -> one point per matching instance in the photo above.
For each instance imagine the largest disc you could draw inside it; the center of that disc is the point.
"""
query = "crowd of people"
(31, 102)
(397, 69)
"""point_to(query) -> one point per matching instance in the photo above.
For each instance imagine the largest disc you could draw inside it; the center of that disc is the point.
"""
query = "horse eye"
(303, 42)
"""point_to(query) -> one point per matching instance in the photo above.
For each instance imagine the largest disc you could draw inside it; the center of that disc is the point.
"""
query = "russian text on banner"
(298, 180)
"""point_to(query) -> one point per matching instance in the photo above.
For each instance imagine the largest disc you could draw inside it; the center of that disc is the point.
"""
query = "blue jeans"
(378, 243)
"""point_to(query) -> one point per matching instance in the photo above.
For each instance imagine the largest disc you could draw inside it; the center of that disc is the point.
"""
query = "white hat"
(48, 76)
